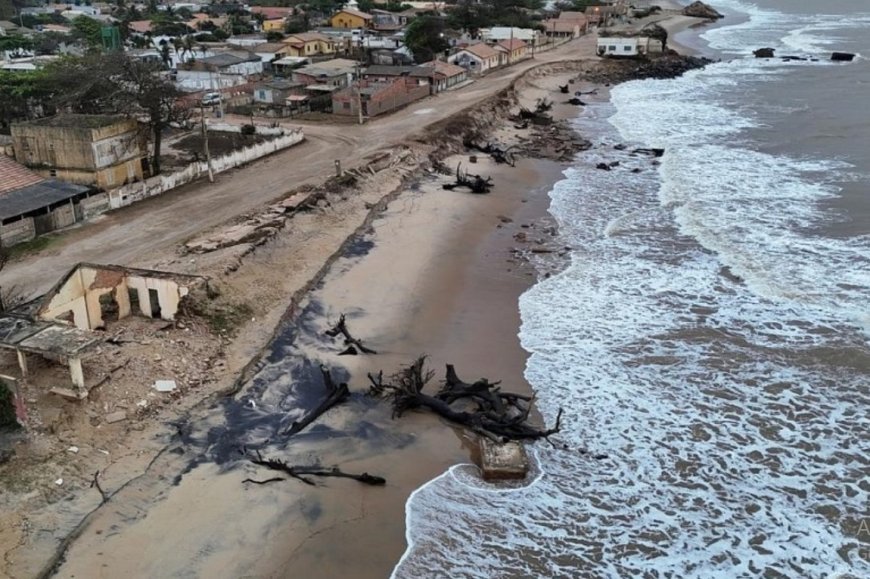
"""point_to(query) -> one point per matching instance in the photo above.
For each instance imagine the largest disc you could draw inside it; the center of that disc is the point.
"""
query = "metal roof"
(37, 196)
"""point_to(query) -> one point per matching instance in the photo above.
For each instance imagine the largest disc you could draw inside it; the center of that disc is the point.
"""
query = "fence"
(129, 194)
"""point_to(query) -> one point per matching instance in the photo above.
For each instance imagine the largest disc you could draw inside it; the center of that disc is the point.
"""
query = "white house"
(618, 46)
(477, 58)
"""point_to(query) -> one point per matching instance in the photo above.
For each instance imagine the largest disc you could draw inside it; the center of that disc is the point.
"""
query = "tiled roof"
(481, 50)
(14, 176)
(512, 45)
(356, 13)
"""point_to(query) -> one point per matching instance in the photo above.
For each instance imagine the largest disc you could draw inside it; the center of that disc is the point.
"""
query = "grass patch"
(227, 318)
(35, 245)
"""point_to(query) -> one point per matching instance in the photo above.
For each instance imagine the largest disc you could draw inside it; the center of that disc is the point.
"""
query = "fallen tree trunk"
(499, 155)
(335, 394)
(301, 472)
(475, 183)
(353, 345)
(494, 414)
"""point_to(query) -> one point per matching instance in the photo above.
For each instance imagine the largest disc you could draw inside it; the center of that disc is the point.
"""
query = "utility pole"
(205, 143)
(359, 94)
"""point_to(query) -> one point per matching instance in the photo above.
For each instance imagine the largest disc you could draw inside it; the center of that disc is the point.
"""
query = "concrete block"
(114, 417)
(503, 461)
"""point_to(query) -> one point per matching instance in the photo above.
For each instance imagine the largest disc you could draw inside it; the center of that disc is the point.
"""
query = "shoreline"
(443, 320)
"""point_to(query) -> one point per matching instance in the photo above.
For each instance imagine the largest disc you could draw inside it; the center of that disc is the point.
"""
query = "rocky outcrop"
(843, 56)
(670, 65)
(764, 53)
(701, 10)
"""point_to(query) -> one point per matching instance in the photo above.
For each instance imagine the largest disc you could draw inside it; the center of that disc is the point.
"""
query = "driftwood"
(354, 346)
(563, 89)
(302, 472)
(575, 101)
(498, 154)
(95, 483)
(540, 115)
(481, 407)
(475, 183)
(335, 394)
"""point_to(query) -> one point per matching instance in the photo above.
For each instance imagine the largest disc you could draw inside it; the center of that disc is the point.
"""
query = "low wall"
(129, 194)
(259, 129)
(17, 232)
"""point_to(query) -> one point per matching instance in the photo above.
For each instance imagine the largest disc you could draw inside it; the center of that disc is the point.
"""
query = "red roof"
(512, 44)
(272, 12)
(14, 176)
(140, 26)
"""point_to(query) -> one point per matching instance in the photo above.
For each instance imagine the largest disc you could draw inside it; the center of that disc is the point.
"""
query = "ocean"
(709, 339)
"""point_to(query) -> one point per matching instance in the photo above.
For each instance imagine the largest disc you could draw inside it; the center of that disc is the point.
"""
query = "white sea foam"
(703, 339)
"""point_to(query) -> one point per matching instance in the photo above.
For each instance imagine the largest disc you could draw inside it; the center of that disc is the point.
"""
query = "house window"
(345, 105)
(611, 48)
(627, 48)
(52, 172)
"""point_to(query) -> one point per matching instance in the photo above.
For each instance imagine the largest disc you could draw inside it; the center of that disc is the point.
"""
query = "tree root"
(302, 472)
(335, 394)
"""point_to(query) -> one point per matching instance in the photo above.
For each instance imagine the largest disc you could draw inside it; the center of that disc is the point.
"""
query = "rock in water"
(701, 10)
(764, 53)
(843, 56)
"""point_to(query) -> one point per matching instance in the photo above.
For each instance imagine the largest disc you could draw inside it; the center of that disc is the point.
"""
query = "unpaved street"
(148, 232)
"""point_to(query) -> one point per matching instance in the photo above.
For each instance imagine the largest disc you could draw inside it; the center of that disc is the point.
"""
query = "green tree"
(23, 95)
(88, 31)
(424, 37)
(115, 83)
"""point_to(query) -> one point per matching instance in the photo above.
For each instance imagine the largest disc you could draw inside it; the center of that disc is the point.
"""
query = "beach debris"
(503, 460)
(502, 156)
(701, 10)
(481, 407)
(475, 183)
(522, 125)
(114, 417)
(842, 56)
(764, 53)
(576, 102)
(540, 115)
(95, 483)
(603, 166)
(73, 449)
(563, 89)
(165, 385)
(335, 394)
(354, 346)
(59, 482)
(302, 472)
(653, 152)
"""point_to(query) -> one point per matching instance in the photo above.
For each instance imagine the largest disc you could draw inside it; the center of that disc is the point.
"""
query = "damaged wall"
(93, 295)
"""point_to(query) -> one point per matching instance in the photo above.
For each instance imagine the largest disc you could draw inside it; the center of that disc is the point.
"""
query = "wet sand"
(435, 281)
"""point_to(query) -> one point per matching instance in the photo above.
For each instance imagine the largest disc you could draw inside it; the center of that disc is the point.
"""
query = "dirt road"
(148, 232)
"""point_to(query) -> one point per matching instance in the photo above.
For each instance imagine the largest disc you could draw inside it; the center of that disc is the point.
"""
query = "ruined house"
(58, 326)
(91, 295)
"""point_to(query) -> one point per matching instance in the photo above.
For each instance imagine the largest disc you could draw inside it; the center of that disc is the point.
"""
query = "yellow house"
(309, 44)
(276, 25)
(347, 18)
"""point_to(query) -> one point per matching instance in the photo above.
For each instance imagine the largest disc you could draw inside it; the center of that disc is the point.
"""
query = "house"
(476, 58)
(100, 150)
(349, 18)
(246, 40)
(31, 205)
(140, 27)
(271, 51)
(331, 73)
(276, 91)
(381, 73)
(385, 21)
(389, 57)
(91, 295)
(222, 70)
(601, 15)
(498, 33)
(513, 50)
(272, 12)
(444, 76)
(309, 44)
(276, 25)
(561, 29)
(377, 98)
(619, 46)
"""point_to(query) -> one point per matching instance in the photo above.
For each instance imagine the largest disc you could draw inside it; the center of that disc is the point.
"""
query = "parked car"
(211, 98)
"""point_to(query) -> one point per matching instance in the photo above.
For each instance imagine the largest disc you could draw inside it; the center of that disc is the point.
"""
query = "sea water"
(710, 336)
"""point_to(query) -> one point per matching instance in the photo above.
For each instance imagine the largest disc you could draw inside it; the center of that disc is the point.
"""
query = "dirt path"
(148, 232)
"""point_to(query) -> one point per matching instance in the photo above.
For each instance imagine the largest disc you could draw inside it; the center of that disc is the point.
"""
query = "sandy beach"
(432, 272)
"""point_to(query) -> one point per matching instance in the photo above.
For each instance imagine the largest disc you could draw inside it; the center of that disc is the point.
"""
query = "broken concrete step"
(503, 461)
